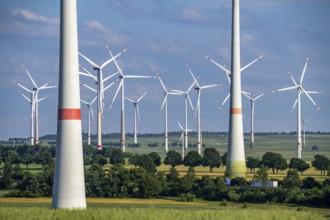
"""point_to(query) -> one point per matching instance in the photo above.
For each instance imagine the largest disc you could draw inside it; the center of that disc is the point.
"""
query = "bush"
(187, 197)
(223, 203)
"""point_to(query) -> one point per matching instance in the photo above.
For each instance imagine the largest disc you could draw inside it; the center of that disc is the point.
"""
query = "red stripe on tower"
(69, 114)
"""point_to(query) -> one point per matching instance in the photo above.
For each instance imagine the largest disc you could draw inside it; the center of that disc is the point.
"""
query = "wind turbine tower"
(136, 112)
(300, 90)
(100, 91)
(186, 99)
(304, 127)
(252, 100)
(89, 114)
(199, 89)
(121, 86)
(236, 153)
(69, 181)
(166, 93)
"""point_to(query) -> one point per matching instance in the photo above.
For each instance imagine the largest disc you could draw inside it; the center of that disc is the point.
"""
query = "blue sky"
(162, 37)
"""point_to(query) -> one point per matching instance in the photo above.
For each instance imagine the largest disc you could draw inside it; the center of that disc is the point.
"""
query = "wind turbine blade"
(141, 77)
(180, 126)
(161, 82)
(294, 81)
(246, 95)
(210, 86)
(221, 67)
(191, 105)
(42, 98)
(109, 77)
(141, 97)
(310, 98)
(111, 84)
(23, 87)
(113, 58)
(131, 100)
(243, 68)
(92, 113)
(294, 105)
(314, 92)
(161, 108)
(224, 101)
(90, 88)
(181, 135)
(89, 61)
(119, 86)
(93, 100)
(26, 70)
(191, 73)
(115, 61)
(284, 89)
(83, 101)
(259, 96)
(88, 73)
(177, 91)
(192, 85)
(29, 100)
(303, 72)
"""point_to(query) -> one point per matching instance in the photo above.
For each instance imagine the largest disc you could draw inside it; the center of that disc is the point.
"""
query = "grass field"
(127, 209)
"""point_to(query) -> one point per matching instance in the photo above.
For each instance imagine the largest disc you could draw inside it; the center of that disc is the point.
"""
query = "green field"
(284, 144)
(127, 209)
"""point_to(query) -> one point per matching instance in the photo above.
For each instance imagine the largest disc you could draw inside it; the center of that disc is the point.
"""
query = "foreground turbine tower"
(236, 155)
(69, 183)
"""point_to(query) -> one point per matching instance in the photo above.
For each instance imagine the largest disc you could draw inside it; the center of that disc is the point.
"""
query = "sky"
(162, 37)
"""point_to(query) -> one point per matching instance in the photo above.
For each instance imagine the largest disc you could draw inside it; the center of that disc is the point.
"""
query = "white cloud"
(94, 33)
(29, 15)
(192, 15)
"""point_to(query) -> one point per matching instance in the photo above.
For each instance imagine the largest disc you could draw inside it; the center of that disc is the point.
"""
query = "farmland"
(154, 208)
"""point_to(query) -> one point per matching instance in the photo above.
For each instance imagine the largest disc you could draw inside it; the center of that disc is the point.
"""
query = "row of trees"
(27, 154)
(118, 181)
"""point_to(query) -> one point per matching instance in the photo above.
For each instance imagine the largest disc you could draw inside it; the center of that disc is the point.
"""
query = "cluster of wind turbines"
(34, 100)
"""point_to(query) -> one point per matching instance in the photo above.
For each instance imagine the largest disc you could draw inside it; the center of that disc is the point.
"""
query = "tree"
(292, 179)
(43, 158)
(147, 163)
(274, 161)
(135, 160)
(155, 158)
(189, 179)
(10, 156)
(262, 175)
(192, 159)
(211, 158)
(6, 180)
(252, 163)
(116, 156)
(298, 164)
(321, 163)
(310, 183)
(27, 159)
(224, 159)
(173, 158)
(99, 159)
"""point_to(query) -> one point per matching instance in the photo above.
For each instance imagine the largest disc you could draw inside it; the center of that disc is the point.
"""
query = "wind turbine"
(252, 100)
(35, 100)
(32, 103)
(121, 86)
(136, 111)
(300, 90)
(304, 124)
(228, 74)
(166, 93)
(186, 98)
(199, 89)
(89, 114)
(184, 131)
(100, 90)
